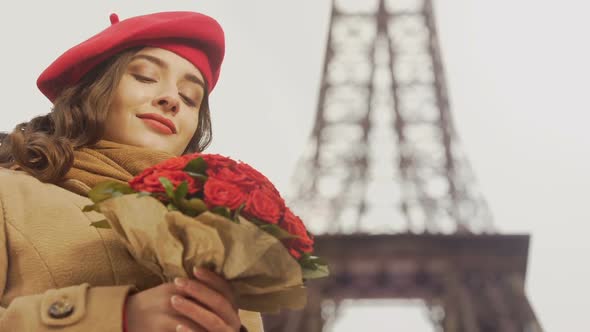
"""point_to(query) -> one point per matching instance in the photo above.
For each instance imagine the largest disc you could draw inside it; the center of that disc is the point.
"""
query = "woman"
(131, 96)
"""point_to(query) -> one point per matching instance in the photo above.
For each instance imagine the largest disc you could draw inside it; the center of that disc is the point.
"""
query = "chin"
(149, 143)
(152, 141)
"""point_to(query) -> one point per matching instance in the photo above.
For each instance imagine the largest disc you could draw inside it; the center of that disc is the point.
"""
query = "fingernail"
(182, 328)
(176, 300)
(180, 282)
(197, 272)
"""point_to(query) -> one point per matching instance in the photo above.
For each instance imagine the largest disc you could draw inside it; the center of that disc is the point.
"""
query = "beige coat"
(53, 264)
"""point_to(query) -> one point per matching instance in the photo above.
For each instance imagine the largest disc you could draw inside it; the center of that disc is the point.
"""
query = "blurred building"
(386, 188)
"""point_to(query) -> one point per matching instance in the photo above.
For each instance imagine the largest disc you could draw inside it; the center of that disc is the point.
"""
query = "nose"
(167, 103)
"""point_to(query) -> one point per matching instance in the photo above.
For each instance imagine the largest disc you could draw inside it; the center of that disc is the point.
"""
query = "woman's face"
(157, 102)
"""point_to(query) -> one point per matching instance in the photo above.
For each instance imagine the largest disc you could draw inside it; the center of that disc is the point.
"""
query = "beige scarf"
(108, 161)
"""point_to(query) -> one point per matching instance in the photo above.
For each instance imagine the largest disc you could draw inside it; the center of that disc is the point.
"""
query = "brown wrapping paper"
(263, 274)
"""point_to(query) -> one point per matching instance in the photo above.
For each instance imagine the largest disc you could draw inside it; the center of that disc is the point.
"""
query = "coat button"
(60, 309)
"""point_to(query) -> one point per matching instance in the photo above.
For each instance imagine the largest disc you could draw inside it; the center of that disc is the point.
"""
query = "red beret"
(196, 37)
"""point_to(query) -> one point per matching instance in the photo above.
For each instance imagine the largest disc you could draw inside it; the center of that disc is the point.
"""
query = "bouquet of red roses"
(209, 210)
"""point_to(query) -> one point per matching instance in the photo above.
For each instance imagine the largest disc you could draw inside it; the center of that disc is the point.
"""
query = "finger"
(199, 315)
(180, 323)
(183, 328)
(214, 301)
(184, 324)
(216, 282)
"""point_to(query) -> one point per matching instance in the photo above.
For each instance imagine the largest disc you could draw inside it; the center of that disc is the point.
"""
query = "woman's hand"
(207, 301)
(206, 304)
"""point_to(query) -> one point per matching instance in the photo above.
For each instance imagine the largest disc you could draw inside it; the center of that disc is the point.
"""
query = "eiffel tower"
(384, 186)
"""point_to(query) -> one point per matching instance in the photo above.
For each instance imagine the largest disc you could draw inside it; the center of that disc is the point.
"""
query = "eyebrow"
(159, 62)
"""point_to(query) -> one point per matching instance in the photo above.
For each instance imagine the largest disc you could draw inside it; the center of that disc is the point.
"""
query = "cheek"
(189, 125)
(127, 99)
(115, 111)
(118, 113)
(130, 94)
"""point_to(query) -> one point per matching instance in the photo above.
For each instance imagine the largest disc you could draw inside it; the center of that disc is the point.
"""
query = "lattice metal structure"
(383, 141)
(387, 189)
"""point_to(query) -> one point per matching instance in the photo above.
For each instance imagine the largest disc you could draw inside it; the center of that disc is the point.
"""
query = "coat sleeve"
(69, 309)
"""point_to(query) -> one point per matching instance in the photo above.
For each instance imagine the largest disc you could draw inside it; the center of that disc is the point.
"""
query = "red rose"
(274, 195)
(193, 155)
(293, 224)
(262, 180)
(149, 181)
(231, 175)
(215, 161)
(177, 163)
(221, 193)
(263, 206)
(294, 253)
(251, 172)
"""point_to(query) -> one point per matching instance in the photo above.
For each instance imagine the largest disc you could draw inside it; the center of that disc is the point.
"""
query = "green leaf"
(305, 256)
(108, 189)
(308, 261)
(181, 191)
(236, 215)
(318, 260)
(276, 231)
(308, 257)
(117, 194)
(101, 224)
(307, 264)
(197, 165)
(201, 177)
(321, 271)
(256, 222)
(193, 207)
(168, 186)
(171, 207)
(222, 211)
(197, 204)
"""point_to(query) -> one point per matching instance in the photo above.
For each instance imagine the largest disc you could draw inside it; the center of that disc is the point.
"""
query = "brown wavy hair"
(44, 146)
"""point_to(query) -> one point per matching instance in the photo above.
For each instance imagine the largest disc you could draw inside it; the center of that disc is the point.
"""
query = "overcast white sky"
(517, 73)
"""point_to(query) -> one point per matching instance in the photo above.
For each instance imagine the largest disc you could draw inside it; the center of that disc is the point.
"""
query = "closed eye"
(144, 79)
(188, 101)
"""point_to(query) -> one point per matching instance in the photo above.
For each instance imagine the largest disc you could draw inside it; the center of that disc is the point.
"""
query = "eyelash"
(144, 79)
(188, 101)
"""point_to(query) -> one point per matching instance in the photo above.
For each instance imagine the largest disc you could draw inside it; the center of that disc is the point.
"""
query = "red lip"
(159, 118)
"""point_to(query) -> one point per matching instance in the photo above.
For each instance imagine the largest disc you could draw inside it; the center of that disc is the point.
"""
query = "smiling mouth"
(158, 123)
